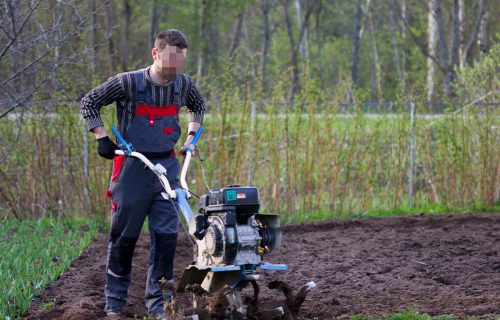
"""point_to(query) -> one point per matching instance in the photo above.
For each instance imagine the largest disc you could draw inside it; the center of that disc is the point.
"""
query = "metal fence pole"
(412, 153)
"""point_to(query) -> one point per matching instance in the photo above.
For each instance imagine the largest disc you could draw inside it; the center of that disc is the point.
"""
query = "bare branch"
(33, 62)
(5, 15)
(6, 33)
(16, 32)
(19, 103)
(12, 17)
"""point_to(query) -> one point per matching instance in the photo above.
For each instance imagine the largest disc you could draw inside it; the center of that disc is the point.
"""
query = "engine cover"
(244, 199)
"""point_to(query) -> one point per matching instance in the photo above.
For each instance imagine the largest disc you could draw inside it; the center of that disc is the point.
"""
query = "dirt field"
(433, 264)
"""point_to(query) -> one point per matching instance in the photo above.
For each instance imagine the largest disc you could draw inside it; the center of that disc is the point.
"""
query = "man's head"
(169, 53)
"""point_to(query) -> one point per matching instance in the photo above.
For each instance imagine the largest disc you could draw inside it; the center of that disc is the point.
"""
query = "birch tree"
(431, 47)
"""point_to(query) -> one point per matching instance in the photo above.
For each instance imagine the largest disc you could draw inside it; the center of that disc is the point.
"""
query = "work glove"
(189, 139)
(106, 148)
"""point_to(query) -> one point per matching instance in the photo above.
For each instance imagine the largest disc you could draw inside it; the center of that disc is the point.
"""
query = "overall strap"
(177, 92)
(140, 86)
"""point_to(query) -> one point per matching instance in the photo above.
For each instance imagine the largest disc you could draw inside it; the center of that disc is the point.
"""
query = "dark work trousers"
(136, 192)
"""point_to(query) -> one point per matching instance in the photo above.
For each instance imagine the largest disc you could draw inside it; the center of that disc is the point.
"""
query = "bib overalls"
(136, 192)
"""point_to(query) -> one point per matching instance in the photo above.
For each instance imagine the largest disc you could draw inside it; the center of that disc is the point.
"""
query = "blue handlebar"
(195, 139)
(126, 147)
(197, 135)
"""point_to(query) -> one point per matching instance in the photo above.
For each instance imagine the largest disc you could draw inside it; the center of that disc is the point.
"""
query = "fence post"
(252, 143)
(412, 153)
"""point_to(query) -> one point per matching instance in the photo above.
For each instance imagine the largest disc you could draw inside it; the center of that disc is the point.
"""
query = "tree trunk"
(294, 56)
(455, 35)
(394, 41)
(404, 50)
(356, 41)
(237, 33)
(294, 46)
(319, 41)
(127, 12)
(56, 27)
(358, 34)
(57, 33)
(474, 35)
(265, 44)
(448, 62)
(444, 58)
(109, 36)
(14, 48)
(202, 33)
(300, 25)
(461, 61)
(94, 37)
(448, 65)
(482, 34)
(213, 50)
(431, 48)
(153, 30)
(376, 61)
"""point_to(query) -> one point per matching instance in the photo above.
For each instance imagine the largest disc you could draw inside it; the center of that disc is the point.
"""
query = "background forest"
(378, 46)
(329, 107)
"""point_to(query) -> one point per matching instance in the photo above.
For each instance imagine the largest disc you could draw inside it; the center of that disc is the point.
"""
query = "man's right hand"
(106, 148)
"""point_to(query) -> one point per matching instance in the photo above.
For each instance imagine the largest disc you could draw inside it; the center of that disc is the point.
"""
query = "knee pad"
(120, 258)
(164, 252)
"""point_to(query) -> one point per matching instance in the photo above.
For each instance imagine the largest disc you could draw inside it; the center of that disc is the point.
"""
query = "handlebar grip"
(126, 147)
(197, 135)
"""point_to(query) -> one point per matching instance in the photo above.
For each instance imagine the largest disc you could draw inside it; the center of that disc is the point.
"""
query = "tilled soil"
(446, 264)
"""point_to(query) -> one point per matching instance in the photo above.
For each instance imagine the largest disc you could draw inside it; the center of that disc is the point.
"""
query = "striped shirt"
(122, 90)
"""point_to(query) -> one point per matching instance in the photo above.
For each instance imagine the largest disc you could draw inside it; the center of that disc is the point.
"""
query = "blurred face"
(169, 61)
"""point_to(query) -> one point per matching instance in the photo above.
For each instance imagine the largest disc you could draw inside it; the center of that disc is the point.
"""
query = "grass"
(34, 254)
(415, 315)
(406, 315)
(300, 164)
(384, 213)
(48, 305)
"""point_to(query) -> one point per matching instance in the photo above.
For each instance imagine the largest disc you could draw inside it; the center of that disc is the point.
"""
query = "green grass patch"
(406, 315)
(48, 305)
(384, 213)
(34, 254)
(414, 315)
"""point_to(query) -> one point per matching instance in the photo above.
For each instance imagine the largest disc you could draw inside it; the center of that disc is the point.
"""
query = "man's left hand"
(189, 139)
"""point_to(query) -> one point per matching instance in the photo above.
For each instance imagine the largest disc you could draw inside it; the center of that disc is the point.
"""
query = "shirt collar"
(148, 77)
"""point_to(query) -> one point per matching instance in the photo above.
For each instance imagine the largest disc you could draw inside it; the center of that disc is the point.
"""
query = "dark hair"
(171, 37)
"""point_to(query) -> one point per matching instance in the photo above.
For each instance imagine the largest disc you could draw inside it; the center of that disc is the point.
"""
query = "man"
(147, 103)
